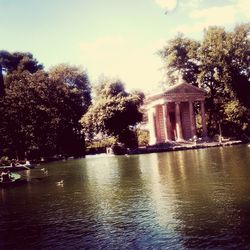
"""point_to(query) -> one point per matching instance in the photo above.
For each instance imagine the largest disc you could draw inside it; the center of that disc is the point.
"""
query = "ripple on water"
(156, 201)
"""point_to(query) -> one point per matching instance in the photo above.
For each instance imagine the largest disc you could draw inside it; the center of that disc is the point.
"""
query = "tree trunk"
(1, 82)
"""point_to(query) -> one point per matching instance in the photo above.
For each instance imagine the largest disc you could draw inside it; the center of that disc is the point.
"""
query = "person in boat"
(13, 163)
(27, 163)
(5, 175)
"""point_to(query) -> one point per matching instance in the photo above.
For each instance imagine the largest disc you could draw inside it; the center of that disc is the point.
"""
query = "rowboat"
(17, 167)
(14, 179)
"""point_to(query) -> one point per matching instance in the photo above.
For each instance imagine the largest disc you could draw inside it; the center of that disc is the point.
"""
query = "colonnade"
(163, 117)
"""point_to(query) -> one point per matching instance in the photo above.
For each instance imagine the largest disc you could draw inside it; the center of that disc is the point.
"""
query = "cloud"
(236, 11)
(168, 5)
(243, 8)
(189, 29)
(215, 15)
(190, 3)
(102, 44)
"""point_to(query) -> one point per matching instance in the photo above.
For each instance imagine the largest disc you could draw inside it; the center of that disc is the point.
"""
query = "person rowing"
(5, 175)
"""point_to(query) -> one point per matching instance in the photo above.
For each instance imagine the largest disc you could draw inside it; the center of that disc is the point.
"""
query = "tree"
(17, 61)
(40, 113)
(74, 105)
(143, 137)
(12, 65)
(1, 82)
(220, 65)
(180, 54)
(114, 112)
(26, 115)
(76, 79)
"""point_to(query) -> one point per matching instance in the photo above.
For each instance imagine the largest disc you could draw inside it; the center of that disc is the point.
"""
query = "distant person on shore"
(27, 163)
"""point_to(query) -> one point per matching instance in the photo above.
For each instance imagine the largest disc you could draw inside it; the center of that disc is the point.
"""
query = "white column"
(178, 122)
(203, 120)
(165, 121)
(151, 125)
(192, 119)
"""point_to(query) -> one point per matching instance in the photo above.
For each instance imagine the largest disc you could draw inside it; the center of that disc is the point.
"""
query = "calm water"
(176, 200)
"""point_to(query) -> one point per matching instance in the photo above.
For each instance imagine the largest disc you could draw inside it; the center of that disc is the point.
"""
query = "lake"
(175, 200)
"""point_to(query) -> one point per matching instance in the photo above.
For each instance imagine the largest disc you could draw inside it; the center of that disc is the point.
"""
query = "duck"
(60, 183)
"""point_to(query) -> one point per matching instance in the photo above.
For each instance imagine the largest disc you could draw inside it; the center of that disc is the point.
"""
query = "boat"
(14, 169)
(26, 164)
(14, 179)
(18, 167)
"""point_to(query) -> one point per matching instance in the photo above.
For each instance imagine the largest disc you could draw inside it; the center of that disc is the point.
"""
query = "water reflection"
(207, 198)
(186, 199)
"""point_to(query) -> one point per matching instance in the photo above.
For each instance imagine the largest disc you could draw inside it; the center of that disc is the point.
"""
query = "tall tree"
(220, 65)
(1, 81)
(17, 61)
(26, 115)
(180, 55)
(73, 107)
(113, 112)
(40, 113)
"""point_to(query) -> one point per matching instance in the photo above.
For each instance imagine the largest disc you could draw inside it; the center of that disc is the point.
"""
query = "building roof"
(184, 88)
(180, 92)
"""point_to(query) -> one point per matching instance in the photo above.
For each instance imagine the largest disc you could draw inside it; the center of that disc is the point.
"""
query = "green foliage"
(143, 137)
(40, 112)
(76, 80)
(25, 113)
(220, 65)
(113, 112)
(101, 143)
(1, 82)
(237, 118)
(180, 55)
(18, 61)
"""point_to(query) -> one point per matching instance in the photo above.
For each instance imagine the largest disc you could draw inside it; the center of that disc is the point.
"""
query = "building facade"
(171, 114)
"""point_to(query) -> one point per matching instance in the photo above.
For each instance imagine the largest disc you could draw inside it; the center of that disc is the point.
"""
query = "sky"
(111, 38)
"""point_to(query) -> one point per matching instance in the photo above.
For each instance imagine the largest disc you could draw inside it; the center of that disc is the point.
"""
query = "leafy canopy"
(113, 111)
(220, 65)
(40, 111)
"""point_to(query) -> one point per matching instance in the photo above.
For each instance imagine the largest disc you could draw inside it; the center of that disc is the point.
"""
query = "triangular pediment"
(180, 92)
(184, 88)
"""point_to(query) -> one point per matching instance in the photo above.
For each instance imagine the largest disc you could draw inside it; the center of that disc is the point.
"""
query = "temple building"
(171, 114)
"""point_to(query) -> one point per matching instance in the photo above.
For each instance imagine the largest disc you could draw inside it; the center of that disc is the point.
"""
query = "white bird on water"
(60, 183)
(46, 172)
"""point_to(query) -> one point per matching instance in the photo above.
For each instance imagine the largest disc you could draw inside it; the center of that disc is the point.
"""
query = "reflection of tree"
(191, 199)
(206, 192)
(16, 224)
(130, 208)
(114, 183)
(162, 203)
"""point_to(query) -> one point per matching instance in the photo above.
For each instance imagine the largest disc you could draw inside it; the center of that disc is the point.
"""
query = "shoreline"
(169, 147)
(158, 148)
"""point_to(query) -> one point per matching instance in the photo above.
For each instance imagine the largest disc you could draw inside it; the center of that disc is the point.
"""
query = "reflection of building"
(171, 114)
